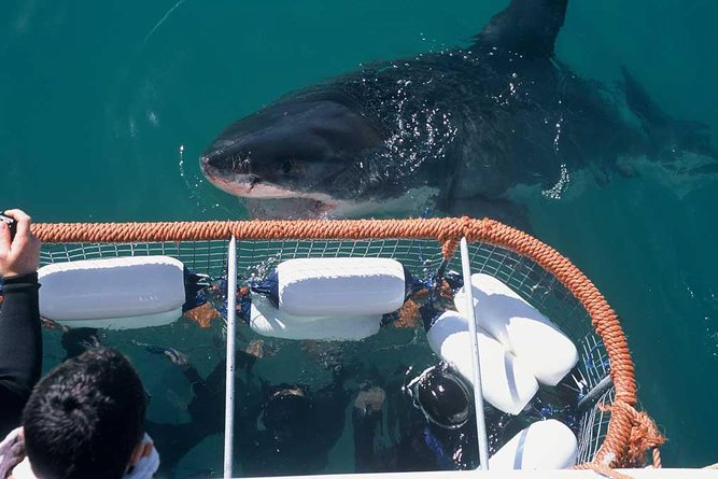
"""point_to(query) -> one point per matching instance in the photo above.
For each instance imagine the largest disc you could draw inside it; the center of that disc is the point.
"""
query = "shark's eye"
(288, 167)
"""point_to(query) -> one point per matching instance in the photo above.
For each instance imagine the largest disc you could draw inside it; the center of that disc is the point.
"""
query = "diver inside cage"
(432, 428)
(435, 427)
(284, 429)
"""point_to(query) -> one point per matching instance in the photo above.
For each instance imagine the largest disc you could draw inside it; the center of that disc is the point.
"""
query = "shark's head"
(306, 156)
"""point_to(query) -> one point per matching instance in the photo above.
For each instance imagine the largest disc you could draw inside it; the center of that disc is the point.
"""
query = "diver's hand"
(21, 255)
(370, 400)
(178, 358)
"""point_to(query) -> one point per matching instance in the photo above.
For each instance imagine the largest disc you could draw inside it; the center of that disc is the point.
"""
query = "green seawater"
(106, 105)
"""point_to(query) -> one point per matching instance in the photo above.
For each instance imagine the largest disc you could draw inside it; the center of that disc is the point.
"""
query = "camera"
(11, 223)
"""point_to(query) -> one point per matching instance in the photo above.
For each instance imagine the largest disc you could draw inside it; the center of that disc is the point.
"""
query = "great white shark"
(458, 128)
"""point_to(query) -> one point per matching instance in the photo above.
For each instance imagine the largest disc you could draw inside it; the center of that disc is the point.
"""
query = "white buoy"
(126, 322)
(337, 286)
(544, 445)
(507, 383)
(267, 320)
(521, 328)
(117, 293)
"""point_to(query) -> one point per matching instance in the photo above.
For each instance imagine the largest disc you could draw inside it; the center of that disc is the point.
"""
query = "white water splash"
(556, 191)
(153, 118)
(192, 187)
(557, 138)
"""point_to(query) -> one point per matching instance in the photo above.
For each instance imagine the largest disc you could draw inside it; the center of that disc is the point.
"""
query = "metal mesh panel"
(594, 427)
(208, 257)
(257, 257)
(422, 258)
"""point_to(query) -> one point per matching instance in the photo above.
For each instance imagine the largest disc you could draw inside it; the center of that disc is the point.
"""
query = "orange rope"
(644, 436)
(628, 430)
(442, 229)
(657, 463)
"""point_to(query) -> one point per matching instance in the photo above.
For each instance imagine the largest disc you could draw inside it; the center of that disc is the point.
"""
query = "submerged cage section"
(423, 258)
(610, 431)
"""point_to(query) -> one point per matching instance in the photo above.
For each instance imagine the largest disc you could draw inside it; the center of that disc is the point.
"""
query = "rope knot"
(643, 437)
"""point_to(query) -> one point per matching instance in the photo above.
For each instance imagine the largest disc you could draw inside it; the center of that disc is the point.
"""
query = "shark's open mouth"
(268, 201)
(287, 208)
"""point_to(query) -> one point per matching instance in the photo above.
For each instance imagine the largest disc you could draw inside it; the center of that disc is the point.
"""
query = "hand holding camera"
(19, 248)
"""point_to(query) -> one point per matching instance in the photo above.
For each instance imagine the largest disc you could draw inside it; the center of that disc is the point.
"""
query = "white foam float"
(544, 445)
(506, 381)
(269, 321)
(521, 328)
(320, 287)
(115, 293)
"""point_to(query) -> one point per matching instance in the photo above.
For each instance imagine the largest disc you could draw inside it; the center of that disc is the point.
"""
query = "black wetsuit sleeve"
(329, 406)
(366, 424)
(20, 347)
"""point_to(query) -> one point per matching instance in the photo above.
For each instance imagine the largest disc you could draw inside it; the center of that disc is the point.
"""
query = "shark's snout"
(222, 160)
(290, 150)
(206, 164)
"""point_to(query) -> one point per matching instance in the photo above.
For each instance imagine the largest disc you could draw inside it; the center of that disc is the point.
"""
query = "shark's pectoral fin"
(641, 103)
(500, 209)
(671, 139)
(526, 27)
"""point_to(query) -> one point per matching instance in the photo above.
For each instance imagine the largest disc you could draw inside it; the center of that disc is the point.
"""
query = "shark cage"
(611, 432)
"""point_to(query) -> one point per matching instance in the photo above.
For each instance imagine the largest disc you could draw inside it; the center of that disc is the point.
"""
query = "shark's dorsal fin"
(526, 27)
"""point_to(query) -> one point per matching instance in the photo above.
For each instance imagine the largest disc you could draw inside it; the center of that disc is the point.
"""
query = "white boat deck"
(565, 474)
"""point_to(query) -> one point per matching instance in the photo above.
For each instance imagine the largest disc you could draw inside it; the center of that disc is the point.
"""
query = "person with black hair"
(84, 420)
(20, 335)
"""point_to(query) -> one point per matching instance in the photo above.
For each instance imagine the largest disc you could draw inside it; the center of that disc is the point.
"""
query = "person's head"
(285, 413)
(85, 418)
(442, 396)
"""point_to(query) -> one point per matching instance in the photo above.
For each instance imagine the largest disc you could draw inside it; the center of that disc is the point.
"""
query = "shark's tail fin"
(671, 139)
